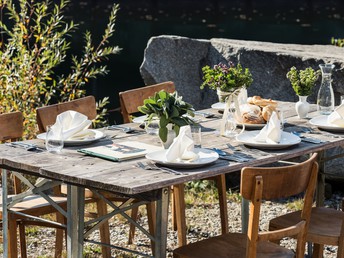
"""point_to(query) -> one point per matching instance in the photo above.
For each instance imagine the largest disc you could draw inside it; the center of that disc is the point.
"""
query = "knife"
(311, 140)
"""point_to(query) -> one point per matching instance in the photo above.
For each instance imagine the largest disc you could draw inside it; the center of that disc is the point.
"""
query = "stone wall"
(181, 59)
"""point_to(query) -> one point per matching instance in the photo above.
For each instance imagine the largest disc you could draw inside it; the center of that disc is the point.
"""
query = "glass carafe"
(325, 101)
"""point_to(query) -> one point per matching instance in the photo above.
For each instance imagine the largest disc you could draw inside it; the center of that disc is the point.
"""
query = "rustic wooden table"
(79, 171)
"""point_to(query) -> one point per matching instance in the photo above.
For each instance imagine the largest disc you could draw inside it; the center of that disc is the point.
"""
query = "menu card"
(121, 150)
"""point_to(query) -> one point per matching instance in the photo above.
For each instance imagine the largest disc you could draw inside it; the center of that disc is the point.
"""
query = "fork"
(149, 165)
(204, 114)
(243, 148)
(125, 129)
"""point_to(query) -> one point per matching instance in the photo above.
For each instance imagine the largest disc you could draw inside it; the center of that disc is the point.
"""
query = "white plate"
(287, 139)
(98, 135)
(321, 123)
(139, 119)
(221, 106)
(206, 156)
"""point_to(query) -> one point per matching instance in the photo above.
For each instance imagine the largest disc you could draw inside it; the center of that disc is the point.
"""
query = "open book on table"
(121, 150)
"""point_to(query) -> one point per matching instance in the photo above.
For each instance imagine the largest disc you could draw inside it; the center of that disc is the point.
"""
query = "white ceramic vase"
(302, 107)
(171, 134)
(222, 95)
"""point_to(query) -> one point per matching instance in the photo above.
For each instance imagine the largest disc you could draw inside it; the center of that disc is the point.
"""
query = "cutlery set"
(204, 114)
(149, 165)
(230, 156)
(307, 139)
(26, 146)
(125, 129)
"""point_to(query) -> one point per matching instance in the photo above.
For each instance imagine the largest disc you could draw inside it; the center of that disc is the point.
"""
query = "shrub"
(34, 43)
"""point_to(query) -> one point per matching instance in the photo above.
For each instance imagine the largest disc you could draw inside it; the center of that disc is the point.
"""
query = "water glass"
(280, 115)
(54, 139)
(196, 135)
(230, 126)
(152, 128)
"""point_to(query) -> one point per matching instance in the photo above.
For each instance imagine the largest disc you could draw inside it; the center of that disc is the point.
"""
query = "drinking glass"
(280, 115)
(54, 139)
(230, 126)
(196, 135)
(152, 128)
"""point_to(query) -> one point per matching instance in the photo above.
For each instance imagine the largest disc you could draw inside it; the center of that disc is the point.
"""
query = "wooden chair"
(326, 227)
(47, 115)
(11, 129)
(130, 100)
(258, 184)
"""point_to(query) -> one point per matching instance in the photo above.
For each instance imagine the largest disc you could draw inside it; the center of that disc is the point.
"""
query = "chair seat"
(230, 245)
(324, 227)
(33, 203)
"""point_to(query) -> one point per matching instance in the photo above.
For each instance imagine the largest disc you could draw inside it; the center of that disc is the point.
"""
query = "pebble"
(201, 223)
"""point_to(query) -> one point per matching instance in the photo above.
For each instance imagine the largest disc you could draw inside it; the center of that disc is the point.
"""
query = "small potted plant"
(226, 79)
(171, 111)
(303, 81)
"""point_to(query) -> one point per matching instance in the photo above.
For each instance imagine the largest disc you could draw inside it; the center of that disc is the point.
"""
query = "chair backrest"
(11, 126)
(267, 183)
(47, 115)
(131, 99)
(11, 129)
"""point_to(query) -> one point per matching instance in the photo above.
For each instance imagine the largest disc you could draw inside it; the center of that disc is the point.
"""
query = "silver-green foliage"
(170, 109)
(303, 81)
(35, 39)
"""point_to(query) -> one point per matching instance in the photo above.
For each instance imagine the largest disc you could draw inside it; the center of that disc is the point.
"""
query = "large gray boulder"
(181, 59)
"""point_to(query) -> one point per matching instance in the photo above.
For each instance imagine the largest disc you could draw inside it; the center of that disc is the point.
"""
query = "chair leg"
(12, 237)
(151, 221)
(22, 240)
(104, 229)
(134, 213)
(340, 251)
(318, 251)
(178, 191)
(173, 210)
(221, 188)
(59, 236)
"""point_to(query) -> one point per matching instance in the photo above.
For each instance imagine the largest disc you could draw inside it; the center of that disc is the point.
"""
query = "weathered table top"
(126, 178)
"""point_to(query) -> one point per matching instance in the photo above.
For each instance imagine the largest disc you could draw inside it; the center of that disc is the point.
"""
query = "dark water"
(302, 22)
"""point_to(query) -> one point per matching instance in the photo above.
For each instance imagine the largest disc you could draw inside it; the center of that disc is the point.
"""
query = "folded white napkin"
(337, 116)
(271, 132)
(182, 146)
(74, 125)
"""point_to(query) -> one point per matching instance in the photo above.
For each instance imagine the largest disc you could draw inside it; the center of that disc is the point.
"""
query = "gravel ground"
(202, 221)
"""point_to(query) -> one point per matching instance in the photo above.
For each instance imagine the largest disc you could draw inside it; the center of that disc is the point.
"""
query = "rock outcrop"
(181, 59)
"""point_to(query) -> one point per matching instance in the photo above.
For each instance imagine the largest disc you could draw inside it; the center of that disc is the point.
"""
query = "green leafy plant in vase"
(226, 79)
(171, 111)
(303, 82)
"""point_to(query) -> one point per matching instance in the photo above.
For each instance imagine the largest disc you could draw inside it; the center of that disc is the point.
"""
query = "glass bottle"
(325, 102)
